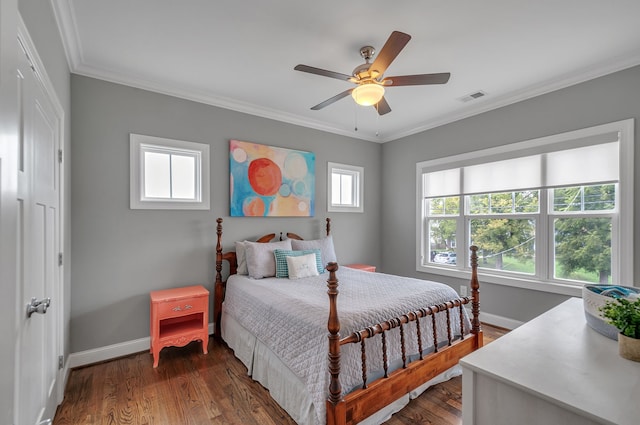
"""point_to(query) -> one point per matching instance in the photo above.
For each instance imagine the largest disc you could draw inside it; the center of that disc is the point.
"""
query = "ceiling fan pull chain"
(355, 117)
(378, 119)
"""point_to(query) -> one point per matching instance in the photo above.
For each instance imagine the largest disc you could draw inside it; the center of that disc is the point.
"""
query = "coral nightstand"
(365, 267)
(179, 316)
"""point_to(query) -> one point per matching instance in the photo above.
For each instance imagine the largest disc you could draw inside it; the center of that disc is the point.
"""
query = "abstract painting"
(268, 181)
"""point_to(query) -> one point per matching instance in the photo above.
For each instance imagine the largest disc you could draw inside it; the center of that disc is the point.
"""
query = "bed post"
(328, 226)
(219, 286)
(475, 296)
(336, 413)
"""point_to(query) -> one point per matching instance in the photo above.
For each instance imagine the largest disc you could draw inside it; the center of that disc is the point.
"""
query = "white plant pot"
(629, 348)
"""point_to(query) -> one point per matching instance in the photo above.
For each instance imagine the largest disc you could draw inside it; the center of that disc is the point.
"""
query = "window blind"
(586, 165)
(591, 164)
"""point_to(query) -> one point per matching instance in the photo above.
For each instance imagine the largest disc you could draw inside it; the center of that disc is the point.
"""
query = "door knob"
(38, 306)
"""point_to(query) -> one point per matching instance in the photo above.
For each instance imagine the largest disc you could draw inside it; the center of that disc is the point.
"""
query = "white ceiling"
(240, 54)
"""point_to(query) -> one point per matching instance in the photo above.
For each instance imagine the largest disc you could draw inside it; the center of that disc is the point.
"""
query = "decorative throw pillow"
(302, 266)
(325, 245)
(241, 258)
(260, 259)
(282, 270)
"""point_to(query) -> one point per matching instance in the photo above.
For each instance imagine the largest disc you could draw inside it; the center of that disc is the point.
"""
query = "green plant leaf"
(624, 315)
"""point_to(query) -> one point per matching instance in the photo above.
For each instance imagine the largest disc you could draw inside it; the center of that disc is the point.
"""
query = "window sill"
(345, 209)
(172, 205)
(512, 281)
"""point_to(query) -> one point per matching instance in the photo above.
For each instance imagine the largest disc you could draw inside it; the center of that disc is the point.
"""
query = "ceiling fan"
(369, 76)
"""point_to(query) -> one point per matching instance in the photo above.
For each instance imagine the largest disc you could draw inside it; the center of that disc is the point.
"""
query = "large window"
(168, 174)
(545, 214)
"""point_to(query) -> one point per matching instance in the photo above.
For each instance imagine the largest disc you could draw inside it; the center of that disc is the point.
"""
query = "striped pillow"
(281, 255)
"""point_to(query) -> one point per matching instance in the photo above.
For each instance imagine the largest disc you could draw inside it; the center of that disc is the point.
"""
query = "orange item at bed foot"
(365, 267)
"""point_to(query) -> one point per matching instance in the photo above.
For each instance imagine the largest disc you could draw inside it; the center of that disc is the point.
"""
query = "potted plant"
(624, 314)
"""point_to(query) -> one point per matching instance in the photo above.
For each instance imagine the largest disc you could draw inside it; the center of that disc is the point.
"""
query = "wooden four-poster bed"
(381, 359)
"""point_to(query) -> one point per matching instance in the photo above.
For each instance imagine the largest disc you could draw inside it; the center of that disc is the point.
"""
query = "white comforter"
(290, 317)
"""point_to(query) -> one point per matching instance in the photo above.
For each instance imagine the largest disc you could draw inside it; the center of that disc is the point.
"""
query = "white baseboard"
(101, 354)
(500, 321)
(495, 320)
(108, 352)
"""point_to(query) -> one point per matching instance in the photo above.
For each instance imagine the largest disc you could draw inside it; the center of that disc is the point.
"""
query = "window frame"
(622, 223)
(357, 187)
(139, 144)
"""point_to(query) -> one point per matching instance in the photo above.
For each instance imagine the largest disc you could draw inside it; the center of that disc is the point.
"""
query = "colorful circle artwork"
(270, 181)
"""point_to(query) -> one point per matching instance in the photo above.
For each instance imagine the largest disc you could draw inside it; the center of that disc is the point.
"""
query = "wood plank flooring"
(189, 388)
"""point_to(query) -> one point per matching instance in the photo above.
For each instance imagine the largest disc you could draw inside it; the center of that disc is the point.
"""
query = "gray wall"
(610, 98)
(119, 255)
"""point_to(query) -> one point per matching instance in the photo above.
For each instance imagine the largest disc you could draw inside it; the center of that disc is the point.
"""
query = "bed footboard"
(362, 403)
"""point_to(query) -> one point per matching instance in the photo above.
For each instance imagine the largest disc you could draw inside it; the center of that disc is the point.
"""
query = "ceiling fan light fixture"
(368, 94)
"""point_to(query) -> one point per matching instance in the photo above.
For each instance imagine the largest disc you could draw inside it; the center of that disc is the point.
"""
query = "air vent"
(473, 96)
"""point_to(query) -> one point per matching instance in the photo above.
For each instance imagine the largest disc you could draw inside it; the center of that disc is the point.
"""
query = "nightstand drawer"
(181, 307)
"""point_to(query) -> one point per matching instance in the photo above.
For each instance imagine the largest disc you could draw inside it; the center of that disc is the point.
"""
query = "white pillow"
(302, 266)
(241, 258)
(261, 261)
(325, 245)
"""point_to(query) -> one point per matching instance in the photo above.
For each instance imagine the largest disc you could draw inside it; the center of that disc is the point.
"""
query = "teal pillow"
(281, 260)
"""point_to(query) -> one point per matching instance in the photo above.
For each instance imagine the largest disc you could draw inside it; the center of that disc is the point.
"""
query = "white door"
(8, 188)
(38, 249)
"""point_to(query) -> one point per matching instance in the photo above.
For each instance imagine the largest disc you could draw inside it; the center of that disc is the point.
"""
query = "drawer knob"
(188, 306)
(177, 308)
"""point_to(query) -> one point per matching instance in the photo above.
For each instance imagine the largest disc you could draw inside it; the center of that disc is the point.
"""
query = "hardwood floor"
(189, 388)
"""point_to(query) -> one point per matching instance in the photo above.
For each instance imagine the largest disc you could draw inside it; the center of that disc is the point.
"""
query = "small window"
(345, 188)
(168, 174)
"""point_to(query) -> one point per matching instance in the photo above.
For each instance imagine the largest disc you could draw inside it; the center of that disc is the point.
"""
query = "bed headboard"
(230, 257)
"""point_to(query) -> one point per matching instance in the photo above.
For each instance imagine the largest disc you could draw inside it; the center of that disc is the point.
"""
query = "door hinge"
(59, 259)
(60, 156)
(60, 362)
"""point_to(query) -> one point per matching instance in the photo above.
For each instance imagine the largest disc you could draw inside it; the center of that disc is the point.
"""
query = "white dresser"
(551, 370)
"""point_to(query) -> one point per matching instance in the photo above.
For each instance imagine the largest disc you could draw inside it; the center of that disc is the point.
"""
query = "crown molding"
(604, 68)
(221, 102)
(65, 17)
(251, 109)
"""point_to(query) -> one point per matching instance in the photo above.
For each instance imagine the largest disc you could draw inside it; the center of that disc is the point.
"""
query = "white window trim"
(136, 200)
(624, 246)
(359, 172)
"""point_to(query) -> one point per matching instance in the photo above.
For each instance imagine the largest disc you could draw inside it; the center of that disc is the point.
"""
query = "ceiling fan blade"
(395, 43)
(331, 100)
(323, 72)
(382, 107)
(416, 80)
